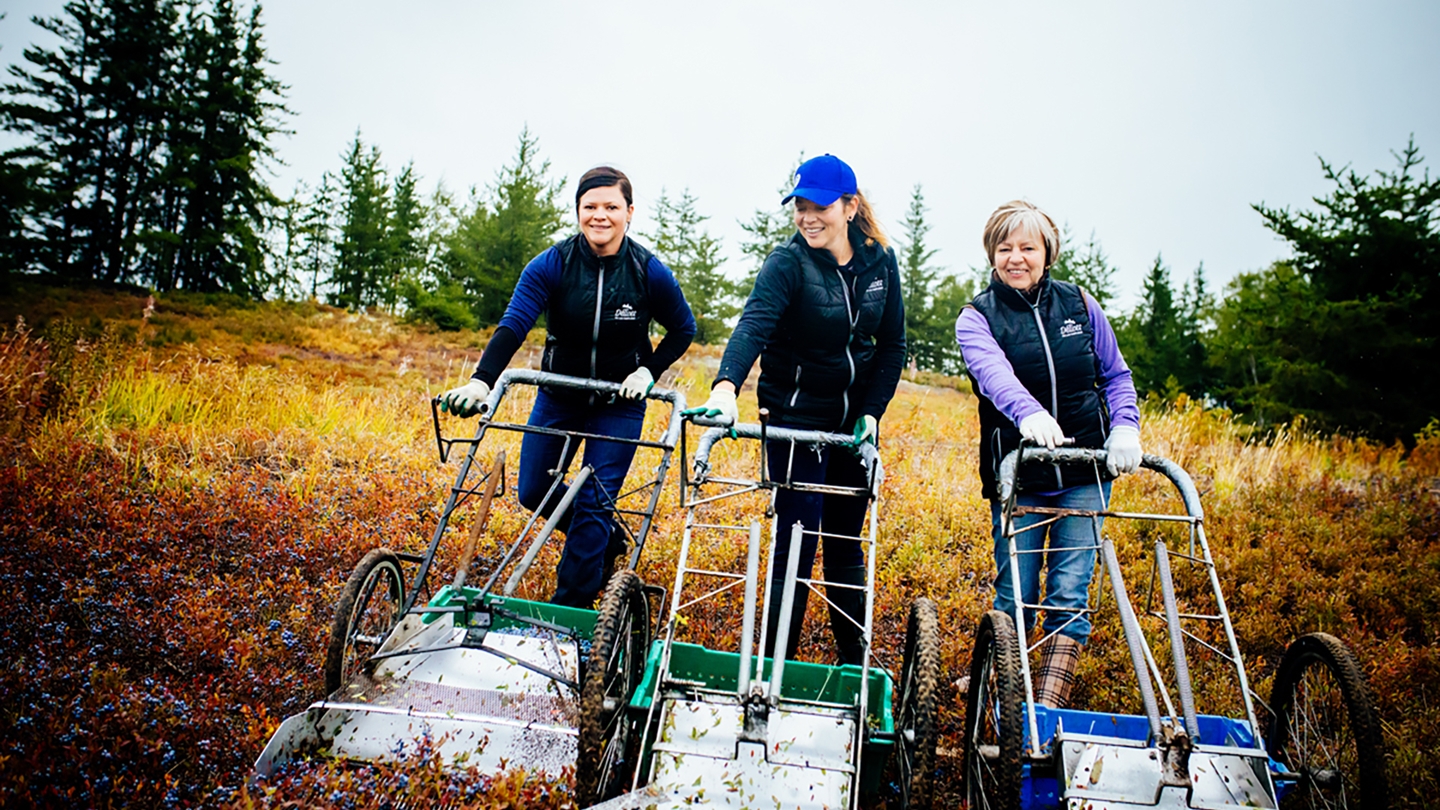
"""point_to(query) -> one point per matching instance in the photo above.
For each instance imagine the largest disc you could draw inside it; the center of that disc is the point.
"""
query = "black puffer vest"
(1051, 345)
(817, 366)
(598, 326)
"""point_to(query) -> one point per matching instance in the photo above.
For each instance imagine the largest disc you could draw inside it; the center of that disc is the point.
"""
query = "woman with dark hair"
(1046, 367)
(827, 322)
(599, 291)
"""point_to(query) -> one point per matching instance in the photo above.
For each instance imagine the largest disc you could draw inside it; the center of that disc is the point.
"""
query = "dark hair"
(604, 177)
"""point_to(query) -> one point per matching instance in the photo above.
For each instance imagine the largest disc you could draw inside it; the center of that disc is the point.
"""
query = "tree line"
(148, 131)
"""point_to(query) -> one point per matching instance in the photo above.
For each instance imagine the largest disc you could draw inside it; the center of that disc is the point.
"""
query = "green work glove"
(465, 400)
(720, 407)
(866, 430)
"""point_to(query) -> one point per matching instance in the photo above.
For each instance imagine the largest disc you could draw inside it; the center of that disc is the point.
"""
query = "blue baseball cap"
(823, 180)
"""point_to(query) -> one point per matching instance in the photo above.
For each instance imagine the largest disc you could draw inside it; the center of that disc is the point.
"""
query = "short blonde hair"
(1015, 215)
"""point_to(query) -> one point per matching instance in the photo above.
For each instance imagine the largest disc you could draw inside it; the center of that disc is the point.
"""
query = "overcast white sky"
(1155, 125)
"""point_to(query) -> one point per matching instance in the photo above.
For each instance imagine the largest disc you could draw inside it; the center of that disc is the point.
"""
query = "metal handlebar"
(1010, 470)
(524, 376)
(818, 438)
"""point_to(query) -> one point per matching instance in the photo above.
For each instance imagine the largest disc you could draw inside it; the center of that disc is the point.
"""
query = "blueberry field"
(187, 483)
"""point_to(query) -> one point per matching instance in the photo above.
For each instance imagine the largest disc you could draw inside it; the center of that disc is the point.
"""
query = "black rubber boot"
(797, 618)
(849, 640)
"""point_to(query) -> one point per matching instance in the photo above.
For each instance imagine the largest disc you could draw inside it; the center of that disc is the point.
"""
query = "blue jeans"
(1069, 560)
(844, 559)
(588, 524)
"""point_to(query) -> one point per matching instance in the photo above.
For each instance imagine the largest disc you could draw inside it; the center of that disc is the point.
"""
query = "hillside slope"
(184, 491)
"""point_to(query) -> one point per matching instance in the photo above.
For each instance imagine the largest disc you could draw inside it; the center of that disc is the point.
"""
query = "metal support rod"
(1229, 632)
(769, 583)
(1134, 638)
(787, 609)
(1007, 529)
(747, 622)
(1177, 639)
(524, 565)
(867, 633)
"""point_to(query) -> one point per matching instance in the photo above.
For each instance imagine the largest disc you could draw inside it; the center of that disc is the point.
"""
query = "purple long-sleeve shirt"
(995, 377)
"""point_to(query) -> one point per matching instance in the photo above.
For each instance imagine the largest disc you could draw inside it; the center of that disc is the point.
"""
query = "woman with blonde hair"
(1047, 369)
(827, 322)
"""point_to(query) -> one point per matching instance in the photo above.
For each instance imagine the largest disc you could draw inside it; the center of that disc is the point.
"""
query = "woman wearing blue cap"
(827, 321)
(599, 291)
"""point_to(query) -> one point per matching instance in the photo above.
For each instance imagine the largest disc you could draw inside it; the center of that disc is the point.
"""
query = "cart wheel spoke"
(368, 609)
(621, 640)
(1325, 728)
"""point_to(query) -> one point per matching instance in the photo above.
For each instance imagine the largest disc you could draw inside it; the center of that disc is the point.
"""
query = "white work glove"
(1042, 429)
(1122, 450)
(866, 429)
(465, 400)
(720, 407)
(638, 384)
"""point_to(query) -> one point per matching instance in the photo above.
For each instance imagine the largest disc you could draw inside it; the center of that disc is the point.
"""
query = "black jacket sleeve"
(775, 287)
(672, 311)
(889, 346)
(502, 346)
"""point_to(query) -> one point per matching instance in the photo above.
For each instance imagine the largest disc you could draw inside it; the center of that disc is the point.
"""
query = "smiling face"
(604, 215)
(1019, 259)
(827, 226)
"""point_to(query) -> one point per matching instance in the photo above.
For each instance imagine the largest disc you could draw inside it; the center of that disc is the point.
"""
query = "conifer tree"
(767, 230)
(494, 240)
(680, 241)
(362, 249)
(1347, 331)
(149, 124)
(1085, 265)
(928, 338)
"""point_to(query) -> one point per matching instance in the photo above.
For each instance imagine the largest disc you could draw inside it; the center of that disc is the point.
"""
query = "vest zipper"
(853, 318)
(595, 335)
(1054, 385)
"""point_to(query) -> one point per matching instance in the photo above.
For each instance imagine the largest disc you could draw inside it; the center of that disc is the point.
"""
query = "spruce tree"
(494, 240)
(927, 337)
(1085, 265)
(1346, 332)
(681, 242)
(767, 230)
(362, 247)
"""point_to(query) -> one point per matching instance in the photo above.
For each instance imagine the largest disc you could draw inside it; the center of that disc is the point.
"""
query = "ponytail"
(867, 223)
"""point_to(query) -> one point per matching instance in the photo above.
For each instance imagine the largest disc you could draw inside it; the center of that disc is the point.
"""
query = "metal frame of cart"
(1323, 739)
(473, 674)
(735, 729)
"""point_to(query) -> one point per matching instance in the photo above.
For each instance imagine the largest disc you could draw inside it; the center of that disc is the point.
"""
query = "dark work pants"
(844, 558)
(589, 524)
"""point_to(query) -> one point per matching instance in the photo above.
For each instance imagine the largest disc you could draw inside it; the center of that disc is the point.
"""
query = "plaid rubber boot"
(1056, 675)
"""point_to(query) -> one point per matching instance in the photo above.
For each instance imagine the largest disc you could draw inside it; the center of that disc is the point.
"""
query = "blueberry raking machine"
(472, 673)
(723, 728)
(1321, 749)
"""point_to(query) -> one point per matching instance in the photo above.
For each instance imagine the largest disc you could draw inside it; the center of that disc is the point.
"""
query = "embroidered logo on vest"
(625, 313)
(1070, 328)
(877, 284)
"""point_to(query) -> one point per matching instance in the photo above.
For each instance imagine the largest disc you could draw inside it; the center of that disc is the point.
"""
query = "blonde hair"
(865, 220)
(1015, 215)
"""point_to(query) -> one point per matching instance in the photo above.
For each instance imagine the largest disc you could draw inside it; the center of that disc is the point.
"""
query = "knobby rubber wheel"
(919, 699)
(993, 736)
(617, 657)
(367, 611)
(1325, 728)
